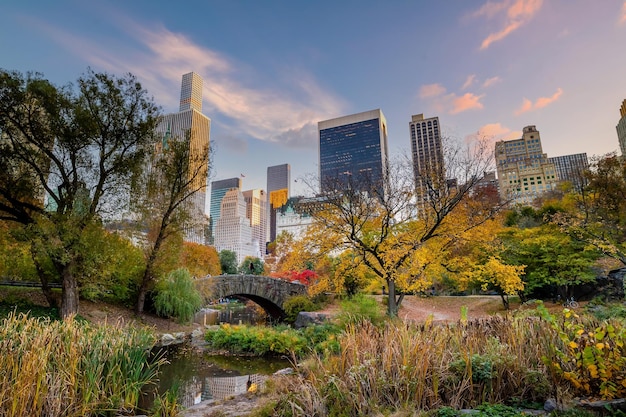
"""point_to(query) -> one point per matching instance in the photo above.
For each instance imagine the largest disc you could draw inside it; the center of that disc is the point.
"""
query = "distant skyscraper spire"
(191, 92)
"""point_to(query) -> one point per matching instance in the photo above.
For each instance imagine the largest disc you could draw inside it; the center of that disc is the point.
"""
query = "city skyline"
(272, 71)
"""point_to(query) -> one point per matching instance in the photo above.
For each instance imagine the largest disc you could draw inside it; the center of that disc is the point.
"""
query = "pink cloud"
(497, 131)
(467, 101)
(431, 90)
(518, 13)
(623, 18)
(468, 81)
(527, 105)
(540, 103)
(492, 133)
(490, 9)
(491, 81)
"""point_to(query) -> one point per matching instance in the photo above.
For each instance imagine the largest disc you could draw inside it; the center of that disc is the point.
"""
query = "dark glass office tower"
(353, 151)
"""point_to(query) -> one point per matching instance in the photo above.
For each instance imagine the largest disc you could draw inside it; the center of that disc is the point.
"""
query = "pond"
(201, 376)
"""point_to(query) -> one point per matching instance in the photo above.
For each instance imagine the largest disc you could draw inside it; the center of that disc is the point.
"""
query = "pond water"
(201, 376)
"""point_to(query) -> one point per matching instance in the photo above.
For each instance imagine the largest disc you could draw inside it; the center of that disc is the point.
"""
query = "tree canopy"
(67, 156)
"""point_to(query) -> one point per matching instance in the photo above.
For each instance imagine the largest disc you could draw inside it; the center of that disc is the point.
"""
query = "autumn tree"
(388, 224)
(200, 260)
(174, 173)
(74, 148)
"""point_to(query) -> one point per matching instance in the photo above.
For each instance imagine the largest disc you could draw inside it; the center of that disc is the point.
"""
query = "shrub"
(361, 308)
(176, 296)
(259, 340)
(296, 304)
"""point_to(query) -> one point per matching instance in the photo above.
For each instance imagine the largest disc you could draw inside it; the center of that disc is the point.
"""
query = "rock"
(306, 318)
(284, 371)
(550, 405)
(171, 339)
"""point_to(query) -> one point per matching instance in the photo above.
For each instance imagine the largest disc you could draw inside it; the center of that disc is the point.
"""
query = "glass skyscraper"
(353, 151)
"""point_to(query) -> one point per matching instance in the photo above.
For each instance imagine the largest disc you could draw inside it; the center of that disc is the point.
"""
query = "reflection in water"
(200, 376)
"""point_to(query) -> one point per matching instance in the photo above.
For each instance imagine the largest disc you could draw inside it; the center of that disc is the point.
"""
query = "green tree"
(552, 258)
(175, 172)
(251, 265)
(228, 261)
(77, 149)
(176, 296)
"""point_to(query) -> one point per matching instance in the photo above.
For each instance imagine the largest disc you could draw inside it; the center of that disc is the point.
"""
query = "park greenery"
(71, 157)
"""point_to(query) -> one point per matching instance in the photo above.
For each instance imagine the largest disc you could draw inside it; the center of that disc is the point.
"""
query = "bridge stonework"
(269, 293)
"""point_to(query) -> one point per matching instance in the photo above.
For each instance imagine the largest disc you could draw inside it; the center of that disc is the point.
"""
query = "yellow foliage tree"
(399, 232)
(200, 260)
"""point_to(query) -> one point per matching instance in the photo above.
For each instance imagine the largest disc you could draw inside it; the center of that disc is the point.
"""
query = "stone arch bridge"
(269, 293)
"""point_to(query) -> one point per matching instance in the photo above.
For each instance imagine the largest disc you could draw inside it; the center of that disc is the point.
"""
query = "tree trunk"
(392, 304)
(505, 300)
(69, 294)
(141, 296)
(51, 297)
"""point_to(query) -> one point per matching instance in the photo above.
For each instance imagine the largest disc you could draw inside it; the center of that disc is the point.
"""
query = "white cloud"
(281, 111)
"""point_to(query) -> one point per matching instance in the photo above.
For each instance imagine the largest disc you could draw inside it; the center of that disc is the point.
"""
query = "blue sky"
(273, 69)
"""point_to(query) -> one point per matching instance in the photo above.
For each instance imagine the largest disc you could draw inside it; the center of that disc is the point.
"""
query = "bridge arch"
(269, 293)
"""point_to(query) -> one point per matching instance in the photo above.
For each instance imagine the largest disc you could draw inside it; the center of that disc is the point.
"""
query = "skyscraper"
(218, 190)
(621, 129)
(524, 172)
(190, 125)
(232, 229)
(279, 191)
(427, 152)
(256, 212)
(571, 168)
(191, 92)
(353, 151)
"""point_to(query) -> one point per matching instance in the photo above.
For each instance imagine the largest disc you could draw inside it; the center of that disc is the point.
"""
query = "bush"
(296, 304)
(260, 341)
(176, 296)
(361, 308)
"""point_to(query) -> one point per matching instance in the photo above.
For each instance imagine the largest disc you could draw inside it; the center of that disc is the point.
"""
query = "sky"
(273, 69)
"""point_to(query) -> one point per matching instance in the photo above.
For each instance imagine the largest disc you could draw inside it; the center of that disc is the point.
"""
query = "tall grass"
(69, 368)
(383, 369)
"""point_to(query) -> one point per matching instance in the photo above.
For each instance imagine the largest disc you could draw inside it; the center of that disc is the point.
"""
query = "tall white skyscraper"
(190, 125)
(232, 230)
(256, 212)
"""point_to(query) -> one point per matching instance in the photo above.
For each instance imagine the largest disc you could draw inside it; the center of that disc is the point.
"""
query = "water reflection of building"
(217, 388)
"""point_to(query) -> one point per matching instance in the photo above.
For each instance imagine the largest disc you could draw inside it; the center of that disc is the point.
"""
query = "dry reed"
(407, 367)
(69, 368)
